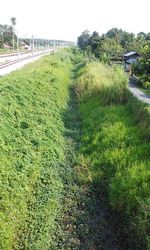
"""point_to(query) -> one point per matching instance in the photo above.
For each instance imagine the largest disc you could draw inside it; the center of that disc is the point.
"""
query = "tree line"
(7, 34)
(112, 45)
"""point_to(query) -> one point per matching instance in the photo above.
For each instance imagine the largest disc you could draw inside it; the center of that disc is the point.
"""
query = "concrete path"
(136, 92)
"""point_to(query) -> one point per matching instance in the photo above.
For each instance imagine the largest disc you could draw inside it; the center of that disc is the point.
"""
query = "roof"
(131, 53)
(6, 46)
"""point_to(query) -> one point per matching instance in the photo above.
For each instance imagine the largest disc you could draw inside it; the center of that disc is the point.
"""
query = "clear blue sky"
(66, 19)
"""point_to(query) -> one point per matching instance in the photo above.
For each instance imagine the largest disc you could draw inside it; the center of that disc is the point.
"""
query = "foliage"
(6, 32)
(111, 46)
(142, 67)
(94, 42)
(32, 152)
(45, 202)
(13, 21)
(115, 146)
(125, 39)
(83, 39)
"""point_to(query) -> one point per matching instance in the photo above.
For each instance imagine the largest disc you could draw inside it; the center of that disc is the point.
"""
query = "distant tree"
(112, 48)
(83, 39)
(127, 41)
(142, 67)
(13, 22)
(2, 29)
(115, 33)
(141, 35)
(148, 36)
(95, 43)
(5, 34)
(113, 44)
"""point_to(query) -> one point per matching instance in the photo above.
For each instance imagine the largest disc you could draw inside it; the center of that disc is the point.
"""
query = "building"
(25, 46)
(6, 46)
(130, 58)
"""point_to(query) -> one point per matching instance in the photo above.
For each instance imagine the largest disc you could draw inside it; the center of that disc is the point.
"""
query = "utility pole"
(32, 45)
(36, 43)
(13, 21)
(13, 42)
(18, 45)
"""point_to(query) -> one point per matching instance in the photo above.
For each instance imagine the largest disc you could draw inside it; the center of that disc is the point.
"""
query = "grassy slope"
(32, 152)
(114, 147)
(40, 138)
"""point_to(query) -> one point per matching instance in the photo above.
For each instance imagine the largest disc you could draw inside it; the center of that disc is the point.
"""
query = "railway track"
(15, 54)
(7, 64)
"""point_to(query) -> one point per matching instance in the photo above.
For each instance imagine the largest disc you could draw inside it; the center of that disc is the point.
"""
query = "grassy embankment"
(115, 148)
(33, 152)
(40, 137)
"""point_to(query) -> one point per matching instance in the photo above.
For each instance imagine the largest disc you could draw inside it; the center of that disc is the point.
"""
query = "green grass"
(96, 78)
(3, 51)
(46, 192)
(115, 146)
(146, 91)
(33, 152)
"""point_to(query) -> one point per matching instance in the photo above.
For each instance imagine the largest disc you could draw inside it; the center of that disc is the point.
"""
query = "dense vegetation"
(111, 46)
(142, 67)
(115, 147)
(69, 153)
(32, 152)
(7, 34)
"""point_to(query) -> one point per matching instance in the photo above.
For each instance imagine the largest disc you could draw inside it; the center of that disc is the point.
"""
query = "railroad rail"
(15, 54)
(7, 64)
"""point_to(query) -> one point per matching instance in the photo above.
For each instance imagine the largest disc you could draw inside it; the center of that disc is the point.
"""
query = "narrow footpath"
(136, 92)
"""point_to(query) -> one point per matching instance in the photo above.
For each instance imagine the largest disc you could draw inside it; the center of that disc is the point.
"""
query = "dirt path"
(136, 92)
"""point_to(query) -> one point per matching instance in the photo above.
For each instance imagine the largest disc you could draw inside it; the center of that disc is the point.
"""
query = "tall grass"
(32, 152)
(96, 78)
(115, 146)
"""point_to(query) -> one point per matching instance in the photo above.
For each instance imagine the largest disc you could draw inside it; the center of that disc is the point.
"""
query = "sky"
(67, 19)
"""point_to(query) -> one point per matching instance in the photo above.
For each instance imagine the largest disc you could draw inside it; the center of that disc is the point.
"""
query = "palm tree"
(13, 22)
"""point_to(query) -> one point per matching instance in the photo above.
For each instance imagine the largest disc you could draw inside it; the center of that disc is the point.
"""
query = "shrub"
(146, 85)
(142, 67)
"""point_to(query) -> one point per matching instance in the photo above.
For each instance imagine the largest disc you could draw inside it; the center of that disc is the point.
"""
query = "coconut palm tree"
(13, 22)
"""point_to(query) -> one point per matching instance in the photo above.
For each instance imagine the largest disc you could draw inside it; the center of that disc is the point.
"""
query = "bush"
(142, 67)
(146, 85)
